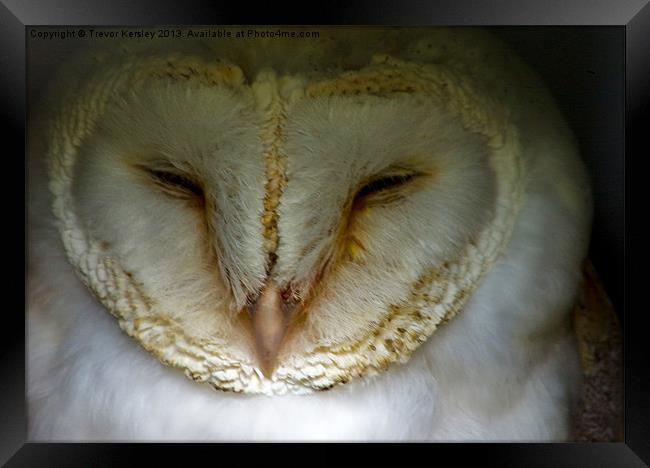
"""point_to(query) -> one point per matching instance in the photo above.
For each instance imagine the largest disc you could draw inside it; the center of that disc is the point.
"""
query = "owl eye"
(174, 183)
(386, 184)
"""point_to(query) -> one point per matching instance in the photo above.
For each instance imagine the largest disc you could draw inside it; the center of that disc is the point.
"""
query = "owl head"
(275, 215)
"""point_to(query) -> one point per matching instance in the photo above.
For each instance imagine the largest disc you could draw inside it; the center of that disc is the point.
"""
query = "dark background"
(584, 67)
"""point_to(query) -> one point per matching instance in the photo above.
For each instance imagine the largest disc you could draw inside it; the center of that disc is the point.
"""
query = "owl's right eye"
(175, 183)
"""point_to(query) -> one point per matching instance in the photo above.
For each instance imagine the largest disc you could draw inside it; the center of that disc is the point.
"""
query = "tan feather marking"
(275, 161)
(388, 75)
(178, 67)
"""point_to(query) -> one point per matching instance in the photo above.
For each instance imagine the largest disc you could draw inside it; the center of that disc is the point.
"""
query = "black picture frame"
(631, 15)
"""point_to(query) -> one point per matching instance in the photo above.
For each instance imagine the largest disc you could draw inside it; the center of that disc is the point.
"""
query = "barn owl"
(375, 234)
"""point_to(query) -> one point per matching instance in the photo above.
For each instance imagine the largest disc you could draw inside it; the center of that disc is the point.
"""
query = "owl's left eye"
(387, 184)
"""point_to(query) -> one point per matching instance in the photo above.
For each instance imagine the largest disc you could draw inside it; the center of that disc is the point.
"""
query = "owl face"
(275, 232)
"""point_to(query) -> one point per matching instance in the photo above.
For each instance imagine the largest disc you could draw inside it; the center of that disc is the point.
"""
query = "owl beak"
(269, 327)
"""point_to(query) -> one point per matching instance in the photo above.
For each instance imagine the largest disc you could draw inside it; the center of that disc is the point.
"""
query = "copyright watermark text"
(170, 33)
